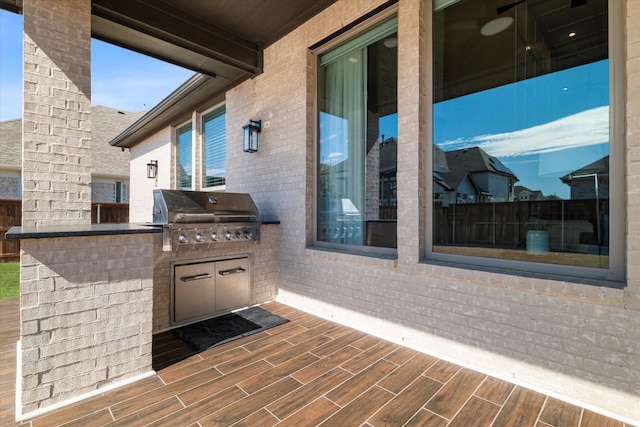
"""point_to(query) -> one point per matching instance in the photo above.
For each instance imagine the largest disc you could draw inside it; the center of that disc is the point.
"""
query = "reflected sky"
(541, 128)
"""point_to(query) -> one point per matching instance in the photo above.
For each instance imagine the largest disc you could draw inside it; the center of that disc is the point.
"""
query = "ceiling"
(536, 43)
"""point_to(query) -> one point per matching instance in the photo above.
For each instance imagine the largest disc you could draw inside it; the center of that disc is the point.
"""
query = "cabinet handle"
(232, 271)
(195, 277)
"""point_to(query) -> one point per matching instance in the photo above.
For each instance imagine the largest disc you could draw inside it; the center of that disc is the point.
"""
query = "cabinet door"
(194, 293)
(232, 284)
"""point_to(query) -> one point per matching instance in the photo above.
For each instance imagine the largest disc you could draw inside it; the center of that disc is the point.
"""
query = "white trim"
(202, 165)
(512, 371)
(23, 417)
(18, 400)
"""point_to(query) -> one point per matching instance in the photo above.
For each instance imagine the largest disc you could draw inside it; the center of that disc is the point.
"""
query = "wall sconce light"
(152, 169)
(251, 131)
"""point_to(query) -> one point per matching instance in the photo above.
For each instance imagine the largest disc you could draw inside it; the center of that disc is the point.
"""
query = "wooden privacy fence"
(504, 225)
(11, 215)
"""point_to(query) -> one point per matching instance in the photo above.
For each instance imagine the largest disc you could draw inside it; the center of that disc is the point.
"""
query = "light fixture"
(572, 34)
(496, 26)
(391, 42)
(152, 169)
(251, 131)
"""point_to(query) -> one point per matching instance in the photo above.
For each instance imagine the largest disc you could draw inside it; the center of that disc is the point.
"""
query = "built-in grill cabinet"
(203, 288)
(205, 219)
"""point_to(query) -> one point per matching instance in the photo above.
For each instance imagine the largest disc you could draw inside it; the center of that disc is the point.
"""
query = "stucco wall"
(10, 185)
(571, 338)
(159, 148)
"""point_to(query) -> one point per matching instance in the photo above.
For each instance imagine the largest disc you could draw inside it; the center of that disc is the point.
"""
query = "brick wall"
(56, 161)
(569, 337)
(86, 313)
(632, 149)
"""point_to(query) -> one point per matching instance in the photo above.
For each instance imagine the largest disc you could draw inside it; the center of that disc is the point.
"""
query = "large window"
(357, 148)
(214, 147)
(521, 131)
(185, 158)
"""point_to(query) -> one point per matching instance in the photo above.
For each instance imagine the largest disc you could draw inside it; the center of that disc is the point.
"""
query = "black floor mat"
(219, 330)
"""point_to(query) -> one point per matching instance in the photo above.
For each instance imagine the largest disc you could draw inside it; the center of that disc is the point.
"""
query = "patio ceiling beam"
(160, 23)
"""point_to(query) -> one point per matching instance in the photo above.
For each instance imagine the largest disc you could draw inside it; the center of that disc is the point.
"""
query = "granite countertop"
(52, 231)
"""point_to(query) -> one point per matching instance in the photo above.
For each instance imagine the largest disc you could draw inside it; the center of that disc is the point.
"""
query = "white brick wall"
(56, 161)
(571, 338)
(86, 312)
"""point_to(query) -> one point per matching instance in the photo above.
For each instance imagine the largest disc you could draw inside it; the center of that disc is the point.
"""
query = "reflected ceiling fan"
(502, 9)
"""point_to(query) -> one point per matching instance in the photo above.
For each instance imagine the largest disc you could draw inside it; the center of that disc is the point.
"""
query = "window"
(521, 133)
(214, 148)
(357, 144)
(185, 160)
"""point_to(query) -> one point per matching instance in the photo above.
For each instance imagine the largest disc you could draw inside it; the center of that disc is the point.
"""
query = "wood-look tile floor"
(307, 372)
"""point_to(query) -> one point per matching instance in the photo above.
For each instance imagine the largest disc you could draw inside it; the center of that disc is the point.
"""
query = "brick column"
(56, 113)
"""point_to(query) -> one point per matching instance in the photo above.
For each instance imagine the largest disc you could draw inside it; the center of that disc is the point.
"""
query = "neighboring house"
(109, 165)
(590, 181)
(470, 175)
(524, 194)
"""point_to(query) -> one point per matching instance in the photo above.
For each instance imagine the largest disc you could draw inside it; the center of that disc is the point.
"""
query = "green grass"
(9, 279)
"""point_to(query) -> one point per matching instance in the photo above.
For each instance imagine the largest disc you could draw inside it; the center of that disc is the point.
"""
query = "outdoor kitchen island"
(85, 311)
(92, 296)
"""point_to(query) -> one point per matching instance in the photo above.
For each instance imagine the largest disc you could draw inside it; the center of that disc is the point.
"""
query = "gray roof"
(468, 161)
(599, 167)
(106, 123)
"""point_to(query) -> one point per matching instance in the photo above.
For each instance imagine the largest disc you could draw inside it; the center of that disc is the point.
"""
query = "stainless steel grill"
(201, 219)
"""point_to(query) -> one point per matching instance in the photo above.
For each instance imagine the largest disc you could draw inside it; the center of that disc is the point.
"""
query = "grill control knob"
(228, 235)
(238, 235)
(183, 239)
(199, 238)
(215, 237)
(247, 234)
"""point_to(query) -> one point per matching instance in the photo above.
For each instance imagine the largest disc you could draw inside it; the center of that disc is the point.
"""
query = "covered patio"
(307, 372)
(93, 311)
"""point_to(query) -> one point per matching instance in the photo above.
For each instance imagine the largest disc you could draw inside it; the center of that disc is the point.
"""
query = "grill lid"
(178, 206)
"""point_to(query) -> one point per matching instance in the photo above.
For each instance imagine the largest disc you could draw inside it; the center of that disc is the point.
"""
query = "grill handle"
(232, 271)
(195, 277)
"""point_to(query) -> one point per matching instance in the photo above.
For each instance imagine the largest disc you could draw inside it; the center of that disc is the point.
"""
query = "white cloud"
(590, 127)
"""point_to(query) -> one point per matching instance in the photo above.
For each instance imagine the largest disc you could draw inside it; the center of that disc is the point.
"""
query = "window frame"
(178, 129)
(354, 30)
(613, 276)
(202, 146)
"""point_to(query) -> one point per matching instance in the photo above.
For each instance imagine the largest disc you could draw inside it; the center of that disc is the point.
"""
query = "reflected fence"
(576, 226)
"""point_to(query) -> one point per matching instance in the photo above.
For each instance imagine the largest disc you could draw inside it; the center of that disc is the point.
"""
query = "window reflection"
(521, 131)
(357, 152)
(184, 149)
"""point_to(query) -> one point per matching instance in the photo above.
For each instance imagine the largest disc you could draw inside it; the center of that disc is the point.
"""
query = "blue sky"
(119, 78)
(541, 128)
